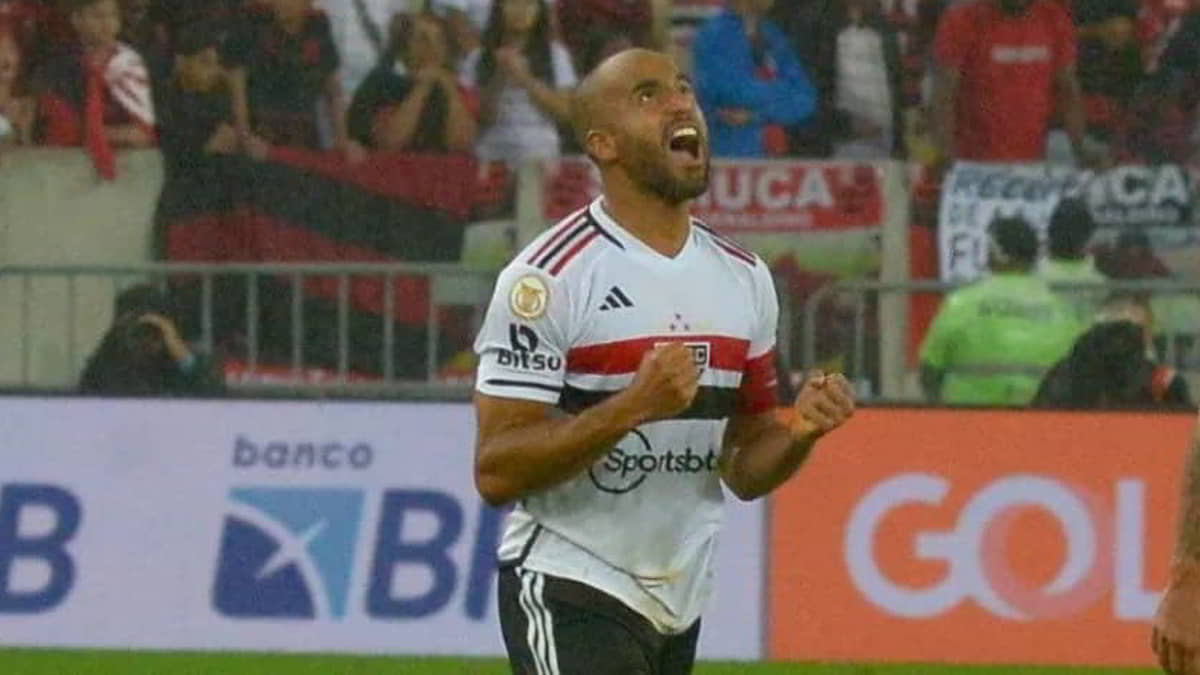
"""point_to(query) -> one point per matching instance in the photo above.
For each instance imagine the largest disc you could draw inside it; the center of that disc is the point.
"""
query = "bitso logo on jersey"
(529, 297)
(287, 553)
(523, 352)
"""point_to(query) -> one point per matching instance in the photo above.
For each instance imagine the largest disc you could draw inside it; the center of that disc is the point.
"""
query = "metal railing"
(893, 378)
(69, 308)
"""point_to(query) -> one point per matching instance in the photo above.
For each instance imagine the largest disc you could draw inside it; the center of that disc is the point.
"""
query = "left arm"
(762, 451)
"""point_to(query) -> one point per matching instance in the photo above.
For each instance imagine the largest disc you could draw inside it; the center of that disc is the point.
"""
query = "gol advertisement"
(977, 537)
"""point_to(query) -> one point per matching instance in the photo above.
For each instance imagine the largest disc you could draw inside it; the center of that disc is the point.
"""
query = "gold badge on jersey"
(529, 297)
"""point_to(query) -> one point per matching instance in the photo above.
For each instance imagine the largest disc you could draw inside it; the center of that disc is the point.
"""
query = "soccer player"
(626, 372)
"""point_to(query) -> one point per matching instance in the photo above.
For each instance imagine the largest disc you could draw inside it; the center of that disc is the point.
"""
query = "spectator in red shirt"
(16, 108)
(284, 63)
(1000, 68)
(413, 100)
(96, 93)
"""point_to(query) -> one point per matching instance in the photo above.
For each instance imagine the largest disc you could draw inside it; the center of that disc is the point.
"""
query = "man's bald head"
(606, 84)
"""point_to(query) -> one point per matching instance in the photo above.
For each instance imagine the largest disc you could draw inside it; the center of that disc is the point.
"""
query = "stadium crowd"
(1093, 82)
(808, 78)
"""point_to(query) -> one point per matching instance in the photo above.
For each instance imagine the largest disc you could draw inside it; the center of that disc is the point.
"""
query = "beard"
(649, 169)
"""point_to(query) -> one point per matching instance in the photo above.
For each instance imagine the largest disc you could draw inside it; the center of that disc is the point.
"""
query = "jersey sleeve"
(522, 346)
(759, 390)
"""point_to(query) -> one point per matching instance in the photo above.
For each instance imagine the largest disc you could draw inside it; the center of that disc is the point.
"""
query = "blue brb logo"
(42, 544)
(289, 553)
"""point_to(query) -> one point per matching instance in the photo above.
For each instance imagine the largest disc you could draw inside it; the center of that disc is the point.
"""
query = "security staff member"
(992, 341)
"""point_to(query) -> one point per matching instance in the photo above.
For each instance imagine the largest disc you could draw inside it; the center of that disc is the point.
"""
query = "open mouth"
(685, 140)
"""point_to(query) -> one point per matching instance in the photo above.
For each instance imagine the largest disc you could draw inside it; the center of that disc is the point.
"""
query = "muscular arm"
(762, 450)
(523, 448)
(760, 454)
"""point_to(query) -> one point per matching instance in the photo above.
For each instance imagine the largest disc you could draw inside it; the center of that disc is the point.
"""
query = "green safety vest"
(996, 338)
(1084, 303)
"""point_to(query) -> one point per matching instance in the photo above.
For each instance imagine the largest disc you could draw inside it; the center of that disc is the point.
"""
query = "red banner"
(754, 196)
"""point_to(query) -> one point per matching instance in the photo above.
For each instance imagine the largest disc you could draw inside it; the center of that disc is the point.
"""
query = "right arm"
(523, 447)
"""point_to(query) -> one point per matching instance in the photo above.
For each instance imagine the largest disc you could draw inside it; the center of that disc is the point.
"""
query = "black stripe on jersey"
(728, 245)
(605, 233)
(520, 383)
(558, 248)
(711, 403)
(520, 559)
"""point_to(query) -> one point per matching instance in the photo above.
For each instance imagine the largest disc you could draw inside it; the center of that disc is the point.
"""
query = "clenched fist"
(1176, 634)
(824, 403)
(665, 383)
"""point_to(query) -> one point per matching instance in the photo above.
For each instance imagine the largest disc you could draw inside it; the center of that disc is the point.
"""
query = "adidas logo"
(615, 299)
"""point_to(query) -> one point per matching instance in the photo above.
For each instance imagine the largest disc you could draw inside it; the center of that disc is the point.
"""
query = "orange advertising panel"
(977, 537)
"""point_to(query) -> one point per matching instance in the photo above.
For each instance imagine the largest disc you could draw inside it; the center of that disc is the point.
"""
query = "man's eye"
(645, 96)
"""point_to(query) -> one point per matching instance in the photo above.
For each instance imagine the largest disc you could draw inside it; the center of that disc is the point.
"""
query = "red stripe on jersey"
(568, 223)
(740, 255)
(624, 356)
(760, 385)
(566, 258)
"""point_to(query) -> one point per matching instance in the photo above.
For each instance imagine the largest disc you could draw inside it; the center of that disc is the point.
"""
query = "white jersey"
(568, 325)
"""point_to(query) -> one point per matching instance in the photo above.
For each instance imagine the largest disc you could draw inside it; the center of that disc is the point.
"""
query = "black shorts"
(554, 626)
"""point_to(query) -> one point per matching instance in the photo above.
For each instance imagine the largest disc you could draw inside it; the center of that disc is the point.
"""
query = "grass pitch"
(71, 662)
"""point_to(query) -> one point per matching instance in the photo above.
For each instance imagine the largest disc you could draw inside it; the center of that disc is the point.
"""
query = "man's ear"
(601, 145)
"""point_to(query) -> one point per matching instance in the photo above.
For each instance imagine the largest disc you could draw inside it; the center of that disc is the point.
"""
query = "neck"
(659, 224)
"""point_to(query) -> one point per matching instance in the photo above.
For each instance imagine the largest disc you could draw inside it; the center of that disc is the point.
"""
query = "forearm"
(763, 463)
(1187, 545)
(548, 100)
(396, 129)
(520, 461)
(460, 124)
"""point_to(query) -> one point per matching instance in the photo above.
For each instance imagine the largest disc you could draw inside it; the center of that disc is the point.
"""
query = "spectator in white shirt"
(360, 31)
(522, 76)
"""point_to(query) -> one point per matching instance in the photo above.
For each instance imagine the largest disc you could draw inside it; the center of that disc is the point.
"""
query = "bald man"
(627, 373)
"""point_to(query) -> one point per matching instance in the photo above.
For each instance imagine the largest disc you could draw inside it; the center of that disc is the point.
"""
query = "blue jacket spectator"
(748, 79)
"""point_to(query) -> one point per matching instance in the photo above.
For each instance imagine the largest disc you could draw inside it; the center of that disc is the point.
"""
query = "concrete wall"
(55, 210)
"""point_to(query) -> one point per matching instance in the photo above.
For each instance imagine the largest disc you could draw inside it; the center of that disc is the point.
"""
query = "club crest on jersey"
(529, 297)
(701, 352)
